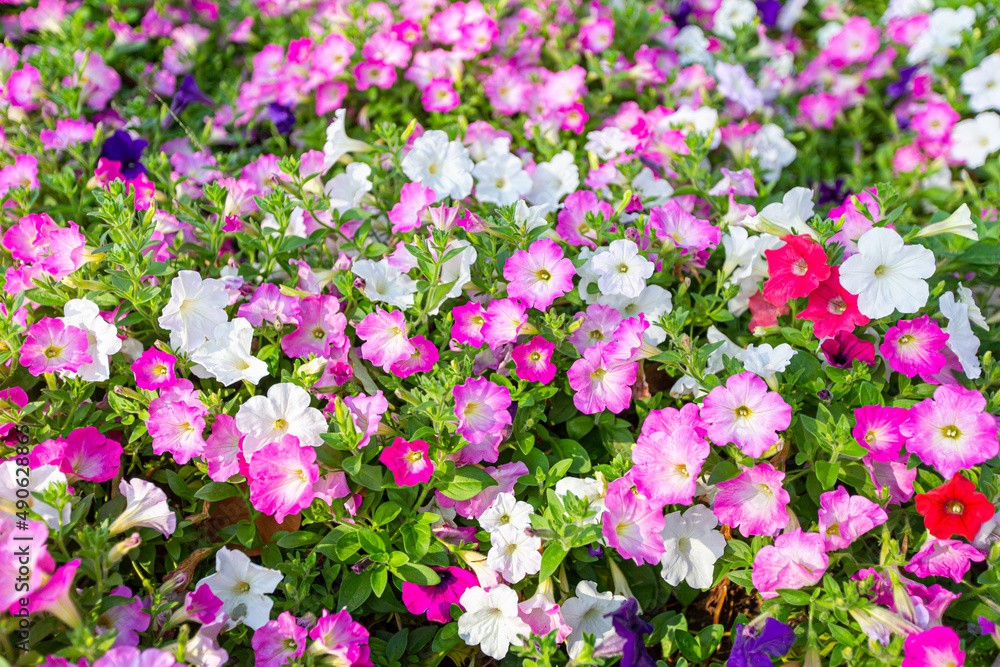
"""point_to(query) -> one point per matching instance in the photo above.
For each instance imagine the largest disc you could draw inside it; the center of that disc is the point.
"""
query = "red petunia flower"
(764, 313)
(844, 348)
(795, 269)
(955, 507)
(832, 308)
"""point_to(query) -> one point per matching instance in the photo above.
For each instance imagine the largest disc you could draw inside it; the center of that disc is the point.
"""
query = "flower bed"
(543, 333)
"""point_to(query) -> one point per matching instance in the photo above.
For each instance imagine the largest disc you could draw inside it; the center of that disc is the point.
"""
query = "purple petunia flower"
(768, 11)
(752, 650)
(631, 628)
(188, 93)
(283, 117)
(126, 151)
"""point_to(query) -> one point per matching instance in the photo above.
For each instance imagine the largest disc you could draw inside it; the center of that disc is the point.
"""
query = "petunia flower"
(435, 600)
(878, 429)
(913, 347)
(154, 369)
(277, 642)
(51, 345)
(440, 164)
(841, 350)
(319, 328)
(754, 501)
(506, 510)
(621, 268)
(126, 151)
(944, 558)
(955, 507)
(342, 638)
(501, 180)
(102, 339)
(693, 545)
(195, 308)
(227, 357)
(268, 304)
(366, 414)
(281, 477)
(756, 649)
(481, 408)
(588, 613)
(425, 355)
(491, 620)
(539, 275)
(409, 462)
(284, 411)
(952, 430)
(844, 518)
(795, 269)
(514, 553)
(243, 587)
(745, 413)
(632, 629)
(631, 523)
(533, 360)
(831, 308)
(667, 463)
(938, 645)
(126, 619)
(543, 615)
(795, 560)
(603, 379)
(145, 507)
(503, 321)
(887, 275)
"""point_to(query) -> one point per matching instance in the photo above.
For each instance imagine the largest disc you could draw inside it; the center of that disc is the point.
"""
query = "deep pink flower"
(385, 338)
(342, 637)
(468, 326)
(425, 355)
(844, 518)
(745, 413)
(154, 369)
(632, 524)
(856, 42)
(436, 600)
(754, 501)
(54, 595)
(320, 328)
(667, 464)
(504, 319)
(203, 606)
(572, 224)
(409, 462)
(414, 198)
(90, 455)
(913, 347)
(282, 475)
(439, 95)
(481, 408)
(844, 348)
(176, 427)
(878, 429)
(832, 309)
(602, 379)
(951, 431)
(938, 646)
(796, 560)
(52, 346)
(278, 641)
(11, 402)
(222, 449)
(539, 275)
(533, 360)
(675, 225)
(795, 269)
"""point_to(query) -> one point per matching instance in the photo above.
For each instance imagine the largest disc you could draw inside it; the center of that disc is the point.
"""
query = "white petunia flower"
(608, 143)
(691, 46)
(764, 360)
(693, 545)
(887, 275)
(38, 480)
(961, 314)
(588, 613)
(442, 165)
(531, 217)
(337, 141)
(284, 411)
(789, 216)
(195, 308)
(732, 14)
(345, 191)
(745, 264)
(514, 553)
(385, 283)
(651, 190)
(501, 180)
(958, 223)
(982, 84)
(506, 510)
(102, 339)
(826, 33)
(702, 121)
(296, 223)
(944, 32)
(553, 180)
(773, 151)
(227, 357)
(974, 139)
(243, 587)
(145, 507)
(621, 269)
(901, 9)
(653, 303)
(491, 620)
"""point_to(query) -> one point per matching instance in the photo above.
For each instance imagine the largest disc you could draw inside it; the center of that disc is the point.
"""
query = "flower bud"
(119, 550)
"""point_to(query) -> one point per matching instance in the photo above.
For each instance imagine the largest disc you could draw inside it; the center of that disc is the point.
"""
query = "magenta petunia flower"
(913, 347)
(667, 464)
(320, 325)
(754, 501)
(533, 360)
(176, 427)
(795, 560)
(281, 479)
(952, 431)
(268, 304)
(425, 355)
(342, 637)
(52, 346)
(504, 319)
(409, 462)
(678, 227)
(539, 275)
(468, 326)
(878, 429)
(844, 518)
(893, 477)
(938, 645)
(436, 600)
(278, 641)
(481, 408)
(745, 413)
(414, 198)
(599, 326)
(944, 558)
(385, 338)
(91, 455)
(572, 223)
(632, 524)
(603, 378)
(154, 369)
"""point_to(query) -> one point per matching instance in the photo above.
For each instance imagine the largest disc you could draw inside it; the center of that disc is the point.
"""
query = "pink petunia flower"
(745, 413)
(944, 558)
(632, 524)
(667, 464)
(366, 413)
(222, 449)
(385, 338)
(795, 560)
(440, 96)
(678, 227)
(603, 379)
(913, 347)
(268, 304)
(52, 346)
(893, 477)
(572, 225)
(878, 429)
(436, 600)
(504, 319)
(952, 431)
(599, 326)
(281, 479)
(278, 641)
(425, 355)
(320, 328)
(414, 198)
(409, 462)
(468, 326)
(481, 408)
(177, 421)
(340, 636)
(539, 275)
(127, 619)
(154, 369)
(754, 501)
(533, 360)
(90, 455)
(844, 518)
(938, 645)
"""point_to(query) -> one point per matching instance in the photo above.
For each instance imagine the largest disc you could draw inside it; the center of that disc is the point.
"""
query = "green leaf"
(380, 578)
(791, 596)
(386, 512)
(580, 426)
(570, 449)
(552, 557)
(415, 573)
(469, 481)
(299, 538)
(354, 589)
(213, 492)
(396, 647)
(369, 477)
(416, 539)
(827, 473)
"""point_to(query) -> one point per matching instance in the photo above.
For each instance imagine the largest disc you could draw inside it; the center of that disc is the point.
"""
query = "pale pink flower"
(52, 346)
(603, 379)
(754, 501)
(745, 413)
(481, 408)
(667, 464)
(414, 198)
(952, 431)
(599, 326)
(320, 328)
(504, 319)
(796, 560)
(222, 449)
(539, 275)
(632, 523)
(944, 558)
(843, 518)
(385, 338)
(366, 414)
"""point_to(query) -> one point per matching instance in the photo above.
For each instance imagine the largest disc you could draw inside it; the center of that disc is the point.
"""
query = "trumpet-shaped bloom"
(621, 269)
(589, 612)
(754, 501)
(268, 304)
(243, 588)
(102, 339)
(603, 379)
(539, 275)
(533, 360)
(934, 647)
(468, 326)
(409, 462)
(832, 309)
(436, 600)
(491, 620)
(632, 523)
(281, 477)
(195, 308)
(745, 413)
(51, 345)
(278, 641)
(667, 464)
(844, 518)
(944, 558)
(222, 449)
(692, 546)
(177, 427)
(320, 328)
(414, 199)
(284, 411)
(506, 510)
(154, 370)
(795, 269)
(340, 636)
(145, 507)
(503, 321)
(227, 357)
(795, 560)
(366, 414)
(442, 165)
(887, 275)
(951, 431)
(385, 338)
(85, 453)
(913, 347)
(481, 408)
(753, 649)
(955, 507)
(879, 430)
(514, 554)
(425, 355)
(385, 283)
